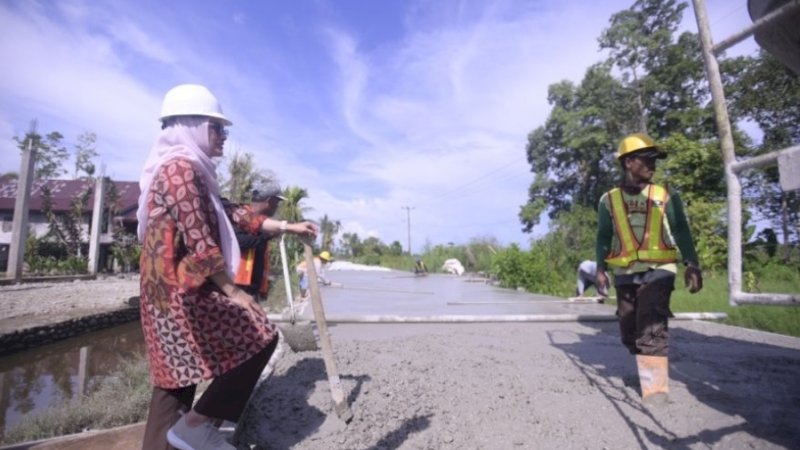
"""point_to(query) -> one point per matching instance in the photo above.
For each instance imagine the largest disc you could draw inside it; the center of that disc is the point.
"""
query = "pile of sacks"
(453, 266)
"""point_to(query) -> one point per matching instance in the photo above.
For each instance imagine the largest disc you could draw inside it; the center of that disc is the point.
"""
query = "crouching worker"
(641, 227)
(319, 263)
(587, 276)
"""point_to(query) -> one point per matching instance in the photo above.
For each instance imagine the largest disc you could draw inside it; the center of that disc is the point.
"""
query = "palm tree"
(328, 228)
(292, 210)
(239, 174)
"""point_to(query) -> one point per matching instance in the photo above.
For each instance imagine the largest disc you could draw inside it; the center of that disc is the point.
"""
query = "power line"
(473, 181)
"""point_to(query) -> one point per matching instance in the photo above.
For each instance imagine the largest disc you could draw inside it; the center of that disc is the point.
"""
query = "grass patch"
(122, 399)
(714, 298)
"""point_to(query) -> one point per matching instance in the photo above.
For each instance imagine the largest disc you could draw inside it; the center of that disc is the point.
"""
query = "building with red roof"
(62, 193)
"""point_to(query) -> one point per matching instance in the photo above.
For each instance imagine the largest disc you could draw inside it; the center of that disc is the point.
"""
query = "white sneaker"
(201, 437)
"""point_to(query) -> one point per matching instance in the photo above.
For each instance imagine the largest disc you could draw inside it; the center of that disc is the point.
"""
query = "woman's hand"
(237, 295)
(246, 301)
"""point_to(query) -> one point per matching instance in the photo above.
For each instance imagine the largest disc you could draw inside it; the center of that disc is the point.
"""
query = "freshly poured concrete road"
(368, 293)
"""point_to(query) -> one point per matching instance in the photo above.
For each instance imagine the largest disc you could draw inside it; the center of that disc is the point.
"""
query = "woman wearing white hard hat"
(197, 324)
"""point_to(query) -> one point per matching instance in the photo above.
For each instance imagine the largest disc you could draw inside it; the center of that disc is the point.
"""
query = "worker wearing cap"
(253, 273)
(641, 227)
(302, 272)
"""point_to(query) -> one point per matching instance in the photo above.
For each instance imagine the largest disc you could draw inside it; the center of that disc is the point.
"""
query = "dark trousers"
(643, 311)
(225, 398)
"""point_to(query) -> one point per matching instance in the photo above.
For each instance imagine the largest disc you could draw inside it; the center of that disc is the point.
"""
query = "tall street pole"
(408, 222)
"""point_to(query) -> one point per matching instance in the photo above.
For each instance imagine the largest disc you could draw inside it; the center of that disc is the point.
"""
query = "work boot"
(653, 379)
(202, 437)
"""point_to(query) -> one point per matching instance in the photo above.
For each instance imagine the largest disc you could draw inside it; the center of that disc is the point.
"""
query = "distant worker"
(420, 268)
(640, 224)
(302, 272)
(587, 275)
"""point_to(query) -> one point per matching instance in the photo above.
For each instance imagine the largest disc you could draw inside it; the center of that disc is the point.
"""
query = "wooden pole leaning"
(337, 393)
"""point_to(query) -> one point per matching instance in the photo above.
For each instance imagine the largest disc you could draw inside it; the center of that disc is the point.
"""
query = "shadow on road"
(754, 384)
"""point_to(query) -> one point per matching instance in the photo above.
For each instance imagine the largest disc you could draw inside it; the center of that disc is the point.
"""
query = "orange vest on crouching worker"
(244, 276)
(652, 247)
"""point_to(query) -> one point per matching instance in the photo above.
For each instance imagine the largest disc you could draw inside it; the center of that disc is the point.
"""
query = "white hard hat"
(192, 100)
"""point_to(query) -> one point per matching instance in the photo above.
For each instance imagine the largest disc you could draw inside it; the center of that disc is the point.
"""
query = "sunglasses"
(218, 128)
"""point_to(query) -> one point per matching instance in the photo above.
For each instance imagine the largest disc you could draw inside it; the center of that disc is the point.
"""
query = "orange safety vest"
(244, 276)
(652, 247)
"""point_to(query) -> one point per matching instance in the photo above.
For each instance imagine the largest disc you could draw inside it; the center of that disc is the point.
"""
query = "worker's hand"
(693, 278)
(247, 302)
(601, 280)
(303, 229)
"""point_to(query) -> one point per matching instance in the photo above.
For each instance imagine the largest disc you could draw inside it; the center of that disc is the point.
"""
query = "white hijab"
(187, 138)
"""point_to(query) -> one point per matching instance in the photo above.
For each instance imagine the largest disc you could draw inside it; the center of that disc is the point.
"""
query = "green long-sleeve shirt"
(677, 231)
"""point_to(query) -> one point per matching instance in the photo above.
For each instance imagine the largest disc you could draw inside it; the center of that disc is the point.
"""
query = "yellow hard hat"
(326, 255)
(638, 142)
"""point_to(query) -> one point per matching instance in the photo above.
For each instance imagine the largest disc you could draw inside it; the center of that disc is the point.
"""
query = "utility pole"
(19, 230)
(408, 222)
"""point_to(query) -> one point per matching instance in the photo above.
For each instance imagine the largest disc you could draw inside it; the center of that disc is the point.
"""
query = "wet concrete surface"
(403, 294)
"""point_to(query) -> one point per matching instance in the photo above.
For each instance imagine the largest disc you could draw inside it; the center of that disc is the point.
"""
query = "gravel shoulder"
(27, 305)
(496, 386)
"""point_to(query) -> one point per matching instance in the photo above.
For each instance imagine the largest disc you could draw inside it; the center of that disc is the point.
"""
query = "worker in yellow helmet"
(302, 272)
(641, 227)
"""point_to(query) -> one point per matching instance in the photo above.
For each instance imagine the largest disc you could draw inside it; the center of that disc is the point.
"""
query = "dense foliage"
(653, 81)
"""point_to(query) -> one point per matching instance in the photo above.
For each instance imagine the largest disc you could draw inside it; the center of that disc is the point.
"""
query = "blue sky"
(371, 105)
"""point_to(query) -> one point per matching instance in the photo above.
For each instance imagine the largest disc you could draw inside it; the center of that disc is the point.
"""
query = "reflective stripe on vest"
(652, 248)
(246, 263)
(244, 277)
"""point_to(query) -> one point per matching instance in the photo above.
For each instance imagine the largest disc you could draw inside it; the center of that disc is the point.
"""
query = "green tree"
(50, 153)
(67, 228)
(239, 176)
(85, 152)
(396, 248)
(762, 90)
(572, 155)
(664, 74)
(293, 210)
(328, 229)
(351, 245)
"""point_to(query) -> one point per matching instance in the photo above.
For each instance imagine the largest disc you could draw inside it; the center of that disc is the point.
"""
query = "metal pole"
(408, 222)
(758, 25)
(19, 227)
(728, 156)
(763, 160)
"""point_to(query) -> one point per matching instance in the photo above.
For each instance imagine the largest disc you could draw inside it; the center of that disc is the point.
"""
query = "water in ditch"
(33, 380)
